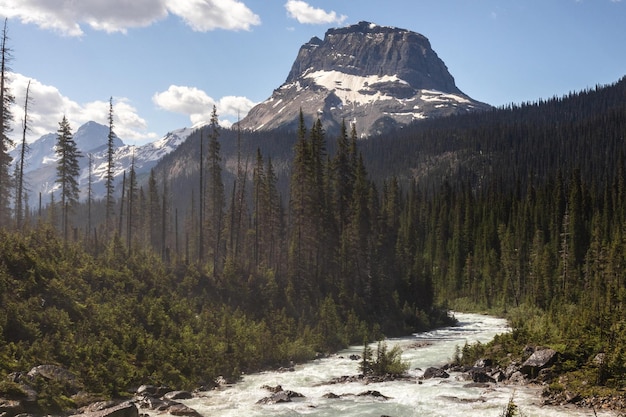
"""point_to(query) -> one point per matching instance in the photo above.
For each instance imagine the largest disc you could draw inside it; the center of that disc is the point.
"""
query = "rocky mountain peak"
(375, 76)
(366, 49)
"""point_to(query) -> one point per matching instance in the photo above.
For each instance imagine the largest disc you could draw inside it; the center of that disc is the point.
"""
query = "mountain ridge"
(378, 77)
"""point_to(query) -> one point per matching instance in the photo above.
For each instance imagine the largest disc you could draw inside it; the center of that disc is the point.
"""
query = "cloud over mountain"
(198, 105)
(47, 106)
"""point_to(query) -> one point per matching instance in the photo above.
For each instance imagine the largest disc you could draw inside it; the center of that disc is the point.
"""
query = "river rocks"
(276, 398)
(372, 393)
(149, 397)
(433, 372)
(481, 375)
(182, 410)
(177, 395)
(125, 409)
(278, 395)
(365, 379)
(369, 393)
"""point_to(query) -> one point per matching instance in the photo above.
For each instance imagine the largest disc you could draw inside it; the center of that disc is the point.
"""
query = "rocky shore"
(539, 368)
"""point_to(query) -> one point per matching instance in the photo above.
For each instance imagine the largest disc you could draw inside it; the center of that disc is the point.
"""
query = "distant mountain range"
(379, 78)
(40, 161)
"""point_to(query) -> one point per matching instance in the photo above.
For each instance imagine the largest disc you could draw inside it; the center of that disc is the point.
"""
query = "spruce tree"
(215, 194)
(67, 171)
(109, 176)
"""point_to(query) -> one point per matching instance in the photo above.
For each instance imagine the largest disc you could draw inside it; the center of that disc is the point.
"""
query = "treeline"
(511, 145)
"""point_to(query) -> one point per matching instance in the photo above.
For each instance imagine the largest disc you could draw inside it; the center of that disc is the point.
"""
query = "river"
(433, 397)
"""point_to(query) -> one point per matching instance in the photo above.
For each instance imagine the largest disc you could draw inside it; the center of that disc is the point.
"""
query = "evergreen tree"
(89, 194)
(109, 176)
(67, 172)
(131, 218)
(6, 101)
(215, 194)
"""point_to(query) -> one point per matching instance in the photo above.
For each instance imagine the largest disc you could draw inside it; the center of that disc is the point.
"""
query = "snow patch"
(353, 88)
(437, 96)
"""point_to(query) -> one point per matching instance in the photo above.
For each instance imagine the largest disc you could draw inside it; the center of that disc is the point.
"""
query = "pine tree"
(131, 218)
(89, 195)
(215, 194)
(258, 214)
(67, 172)
(109, 176)
(6, 101)
(343, 177)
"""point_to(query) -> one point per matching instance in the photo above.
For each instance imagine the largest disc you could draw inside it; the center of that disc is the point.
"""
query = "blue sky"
(166, 62)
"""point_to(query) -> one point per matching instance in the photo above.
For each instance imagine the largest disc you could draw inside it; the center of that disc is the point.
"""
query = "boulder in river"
(280, 397)
(371, 393)
(275, 398)
(433, 372)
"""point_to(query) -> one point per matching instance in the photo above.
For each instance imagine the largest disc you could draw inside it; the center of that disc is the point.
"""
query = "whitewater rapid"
(434, 397)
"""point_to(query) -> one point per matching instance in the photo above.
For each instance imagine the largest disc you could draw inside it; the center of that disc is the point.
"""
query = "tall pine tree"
(67, 171)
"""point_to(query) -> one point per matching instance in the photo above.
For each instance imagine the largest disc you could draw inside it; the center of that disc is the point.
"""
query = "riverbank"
(406, 397)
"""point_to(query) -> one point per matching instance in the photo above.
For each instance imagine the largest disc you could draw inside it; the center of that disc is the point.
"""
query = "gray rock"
(540, 359)
(178, 395)
(483, 363)
(56, 373)
(182, 410)
(435, 373)
(517, 378)
(276, 398)
(283, 396)
(481, 375)
(126, 409)
(375, 394)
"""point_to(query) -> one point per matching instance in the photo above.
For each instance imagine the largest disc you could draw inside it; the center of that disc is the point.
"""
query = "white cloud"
(66, 17)
(305, 13)
(205, 15)
(198, 105)
(47, 106)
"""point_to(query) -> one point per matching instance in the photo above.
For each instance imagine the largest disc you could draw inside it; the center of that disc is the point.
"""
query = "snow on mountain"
(377, 77)
(91, 139)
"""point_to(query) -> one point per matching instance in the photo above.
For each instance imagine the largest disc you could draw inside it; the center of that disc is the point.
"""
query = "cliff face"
(377, 77)
(369, 50)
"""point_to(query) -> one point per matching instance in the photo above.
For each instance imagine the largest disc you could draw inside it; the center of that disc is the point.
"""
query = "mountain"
(91, 139)
(377, 77)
